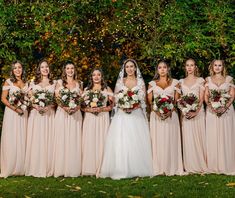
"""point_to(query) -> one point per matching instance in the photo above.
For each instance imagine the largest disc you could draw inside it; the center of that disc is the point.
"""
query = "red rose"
(165, 110)
(130, 93)
(163, 99)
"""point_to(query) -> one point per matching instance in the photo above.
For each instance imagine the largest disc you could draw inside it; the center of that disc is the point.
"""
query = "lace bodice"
(76, 88)
(50, 88)
(224, 86)
(170, 90)
(12, 88)
(195, 88)
(140, 87)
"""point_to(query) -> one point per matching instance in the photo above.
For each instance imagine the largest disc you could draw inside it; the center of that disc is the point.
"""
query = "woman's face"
(18, 70)
(190, 67)
(69, 70)
(162, 69)
(217, 67)
(44, 69)
(130, 68)
(96, 77)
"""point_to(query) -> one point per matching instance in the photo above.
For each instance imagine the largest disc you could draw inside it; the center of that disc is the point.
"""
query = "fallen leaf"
(26, 196)
(230, 184)
(103, 192)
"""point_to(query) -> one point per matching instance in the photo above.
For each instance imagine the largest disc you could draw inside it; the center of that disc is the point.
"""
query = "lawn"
(160, 186)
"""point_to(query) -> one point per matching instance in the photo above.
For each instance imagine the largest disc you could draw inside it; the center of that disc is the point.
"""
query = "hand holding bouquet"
(163, 105)
(218, 100)
(128, 100)
(42, 99)
(94, 99)
(188, 103)
(69, 99)
(19, 100)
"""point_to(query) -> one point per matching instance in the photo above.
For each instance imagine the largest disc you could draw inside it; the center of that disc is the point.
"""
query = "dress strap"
(201, 83)
(153, 86)
(7, 87)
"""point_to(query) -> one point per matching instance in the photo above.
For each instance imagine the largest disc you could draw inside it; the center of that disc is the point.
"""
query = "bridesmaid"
(14, 127)
(95, 127)
(40, 131)
(220, 130)
(68, 128)
(193, 123)
(164, 128)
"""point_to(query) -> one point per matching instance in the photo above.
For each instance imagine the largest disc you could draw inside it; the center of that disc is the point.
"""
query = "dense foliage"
(104, 32)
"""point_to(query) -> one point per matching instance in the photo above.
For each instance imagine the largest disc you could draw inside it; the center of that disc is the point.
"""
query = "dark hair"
(103, 83)
(12, 75)
(135, 64)
(157, 76)
(38, 77)
(64, 76)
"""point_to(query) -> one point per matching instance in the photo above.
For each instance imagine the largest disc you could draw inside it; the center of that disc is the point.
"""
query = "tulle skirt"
(128, 148)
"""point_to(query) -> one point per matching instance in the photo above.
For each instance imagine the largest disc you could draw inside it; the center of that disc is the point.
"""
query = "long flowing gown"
(67, 145)
(220, 135)
(128, 147)
(13, 138)
(194, 133)
(40, 139)
(95, 128)
(165, 136)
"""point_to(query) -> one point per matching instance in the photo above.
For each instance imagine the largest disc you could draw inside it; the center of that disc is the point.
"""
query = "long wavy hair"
(103, 82)
(64, 76)
(212, 73)
(157, 76)
(124, 65)
(38, 77)
(196, 72)
(12, 75)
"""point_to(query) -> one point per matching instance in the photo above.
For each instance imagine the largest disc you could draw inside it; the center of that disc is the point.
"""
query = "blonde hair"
(196, 72)
(212, 73)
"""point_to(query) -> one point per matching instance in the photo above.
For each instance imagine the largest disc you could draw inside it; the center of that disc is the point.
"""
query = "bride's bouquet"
(218, 99)
(19, 99)
(42, 98)
(128, 100)
(93, 99)
(188, 103)
(163, 104)
(70, 99)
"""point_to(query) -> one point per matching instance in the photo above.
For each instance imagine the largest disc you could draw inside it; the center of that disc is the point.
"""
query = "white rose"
(125, 98)
(127, 105)
(120, 95)
(41, 104)
(42, 96)
(23, 107)
(185, 110)
(135, 97)
(72, 104)
(36, 100)
(215, 105)
(194, 107)
(171, 106)
(155, 107)
(64, 97)
(95, 100)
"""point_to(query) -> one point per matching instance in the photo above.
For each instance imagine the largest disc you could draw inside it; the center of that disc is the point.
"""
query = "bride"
(128, 149)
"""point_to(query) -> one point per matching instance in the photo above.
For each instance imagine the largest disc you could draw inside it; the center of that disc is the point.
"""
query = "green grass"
(160, 186)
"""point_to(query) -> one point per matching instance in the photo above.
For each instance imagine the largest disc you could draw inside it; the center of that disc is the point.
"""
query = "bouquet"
(218, 99)
(42, 98)
(128, 99)
(19, 99)
(67, 98)
(163, 104)
(93, 99)
(188, 103)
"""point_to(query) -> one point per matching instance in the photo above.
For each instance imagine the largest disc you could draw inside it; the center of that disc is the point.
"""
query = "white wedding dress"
(127, 150)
